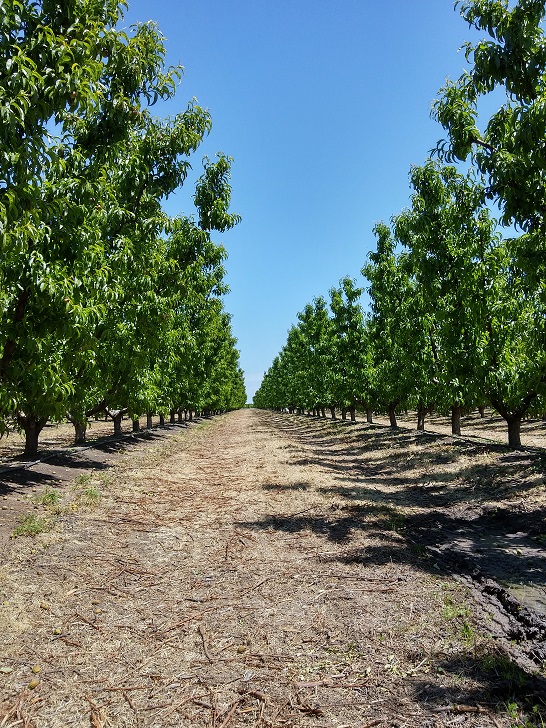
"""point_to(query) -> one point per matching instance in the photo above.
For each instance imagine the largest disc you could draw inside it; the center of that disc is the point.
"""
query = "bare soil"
(267, 570)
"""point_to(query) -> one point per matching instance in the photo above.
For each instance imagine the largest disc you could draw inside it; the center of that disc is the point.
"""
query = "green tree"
(83, 315)
(391, 327)
(317, 356)
(486, 329)
(351, 346)
(446, 231)
(510, 149)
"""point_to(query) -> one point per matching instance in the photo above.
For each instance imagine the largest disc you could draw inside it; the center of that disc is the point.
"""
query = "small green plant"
(467, 633)
(90, 496)
(83, 479)
(396, 522)
(419, 549)
(451, 610)
(32, 525)
(503, 667)
(512, 710)
(49, 497)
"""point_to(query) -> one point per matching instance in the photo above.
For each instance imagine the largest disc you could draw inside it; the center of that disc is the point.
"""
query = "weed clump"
(32, 525)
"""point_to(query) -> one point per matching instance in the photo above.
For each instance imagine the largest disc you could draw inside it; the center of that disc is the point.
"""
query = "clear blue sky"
(324, 106)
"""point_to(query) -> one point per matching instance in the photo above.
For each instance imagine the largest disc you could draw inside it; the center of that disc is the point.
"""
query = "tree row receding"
(107, 304)
(457, 315)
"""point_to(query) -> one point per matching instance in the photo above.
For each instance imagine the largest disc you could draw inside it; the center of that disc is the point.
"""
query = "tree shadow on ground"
(21, 480)
(442, 506)
(501, 686)
(281, 487)
(52, 468)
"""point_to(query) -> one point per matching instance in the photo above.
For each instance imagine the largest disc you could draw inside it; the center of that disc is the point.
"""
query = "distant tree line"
(107, 304)
(458, 307)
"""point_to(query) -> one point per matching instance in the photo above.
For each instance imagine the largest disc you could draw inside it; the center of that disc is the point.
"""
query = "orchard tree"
(317, 356)
(446, 231)
(391, 325)
(353, 380)
(510, 147)
(486, 328)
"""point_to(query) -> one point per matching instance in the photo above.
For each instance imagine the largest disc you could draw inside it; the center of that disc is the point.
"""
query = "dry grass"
(253, 571)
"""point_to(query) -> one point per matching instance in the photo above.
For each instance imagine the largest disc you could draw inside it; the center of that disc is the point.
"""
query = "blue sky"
(324, 106)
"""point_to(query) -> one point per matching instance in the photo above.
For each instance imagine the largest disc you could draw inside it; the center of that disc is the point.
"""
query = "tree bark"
(333, 413)
(172, 419)
(80, 429)
(514, 432)
(456, 419)
(136, 424)
(149, 423)
(369, 415)
(352, 411)
(32, 427)
(421, 414)
(117, 422)
(392, 415)
(343, 413)
(481, 410)
(180, 416)
(161, 420)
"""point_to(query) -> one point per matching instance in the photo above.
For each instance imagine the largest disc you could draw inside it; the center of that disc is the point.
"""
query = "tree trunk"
(136, 424)
(392, 415)
(481, 410)
(456, 419)
(323, 411)
(117, 422)
(180, 416)
(369, 415)
(149, 423)
(333, 413)
(80, 428)
(421, 413)
(190, 415)
(161, 420)
(514, 430)
(344, 413)
(173, 417)
(352, 410)
(32, 426)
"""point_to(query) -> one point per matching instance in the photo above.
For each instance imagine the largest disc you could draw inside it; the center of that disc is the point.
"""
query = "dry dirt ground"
(269, 570)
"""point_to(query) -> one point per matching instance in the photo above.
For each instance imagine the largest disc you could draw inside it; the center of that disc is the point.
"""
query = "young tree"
(352, 371)
(391, 327)
(486, 329)
(445, 231)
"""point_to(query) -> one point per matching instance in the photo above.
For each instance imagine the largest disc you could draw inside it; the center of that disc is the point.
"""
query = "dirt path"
(265, 570)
